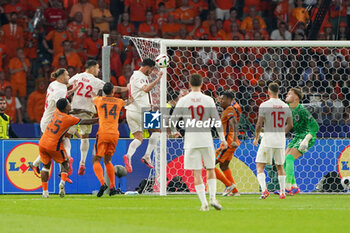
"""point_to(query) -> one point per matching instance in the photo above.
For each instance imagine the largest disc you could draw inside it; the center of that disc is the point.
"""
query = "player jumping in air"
(140, 92)
(229, 119)
(274, 114)
(108, 109)
(198, 142)
(51, 147)
(87, 83)
(305, 129)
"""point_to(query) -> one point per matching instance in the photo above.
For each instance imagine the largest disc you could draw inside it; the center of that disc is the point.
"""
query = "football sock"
(111, 174)
(45, 186)
(153, 140)
(222, 178)
(99, 172)
(63, 177)
(289, 167)
(212, 189)
(228, 175)
(84, 148)
(200, 189)
(36, 162)
(294, 185)
(67, 146)
(282, 182)
(261, 179)
(132, 147)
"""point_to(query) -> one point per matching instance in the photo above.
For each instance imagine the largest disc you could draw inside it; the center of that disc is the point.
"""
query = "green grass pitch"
(173, 213)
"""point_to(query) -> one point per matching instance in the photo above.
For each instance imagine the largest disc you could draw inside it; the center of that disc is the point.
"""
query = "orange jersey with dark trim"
(108, 109)
(56, 129)
(226, 115)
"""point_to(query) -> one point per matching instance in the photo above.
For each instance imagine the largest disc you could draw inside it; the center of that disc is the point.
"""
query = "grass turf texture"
(173, 213)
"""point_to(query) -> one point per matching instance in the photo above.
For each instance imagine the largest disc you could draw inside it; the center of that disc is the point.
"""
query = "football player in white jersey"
(87, 83)
(198, 142)
(140, 92)
(56, 90)
(274, 114)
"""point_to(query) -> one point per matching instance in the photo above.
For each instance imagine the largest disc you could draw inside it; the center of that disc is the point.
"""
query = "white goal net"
(319, 68)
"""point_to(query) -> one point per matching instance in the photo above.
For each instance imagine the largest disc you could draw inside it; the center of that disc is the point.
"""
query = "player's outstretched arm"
(89, 121)
(258, 128)
(312, 128)
(70, 92)
(119, 89)
(234, 125)
(149, 87)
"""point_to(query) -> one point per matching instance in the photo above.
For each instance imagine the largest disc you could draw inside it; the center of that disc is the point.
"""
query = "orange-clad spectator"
(198, 6)
(220, 27)
(247, 23)
(93, 44)
(102, 17)
(95, 2)
(183, 35)
(232, 19)
(3, 83)
(137, 10)
(18, 68)
(52, 14)
(3, 52)
(14, 6)
(249, 3)
(185, 13)
(282, 11)
(71, 71)
(235, 33)
(211, 19)
(14, 107)
(170, 5)
(85, 7)
(257, 28)
(223, 8)
(133, 59)
(171, 29)
(213, 33)
(115, 61)
(125, 27)
(13, 35)
(57, 37)
(122, 80)
(250, 74)
(78, 31)
(162, 16)
(36, 101)
(115, 39)
(31, 44)
(148, 29)
(197, 31)
(72, 58)
(299, 14)
(32, 5)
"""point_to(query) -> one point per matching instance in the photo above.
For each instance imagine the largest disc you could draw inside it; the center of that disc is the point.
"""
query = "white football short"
(134, 120)
(265, 155)
(84, 129)
(195, 157)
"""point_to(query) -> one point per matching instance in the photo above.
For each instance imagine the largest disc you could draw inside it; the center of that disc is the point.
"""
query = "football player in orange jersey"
(229, 119)
(51, 146)
(108, 109)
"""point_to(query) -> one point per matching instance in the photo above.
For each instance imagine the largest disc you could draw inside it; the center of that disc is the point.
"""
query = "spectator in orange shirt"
(14, 6)
(171, 29)
(19, 67)
(122, 80)
(57, 37)
(85, 7)
(183, 35)
(71, 71)
(232, 19)
(197, 31)
(299, 14)
(247, 23)
(199, 6)
(14, 107)
(115, 61)
(3, 52)
(213, 35)
(138, 10)
(93, 44)
(125, 27)
(211, 19)
(36, 101)
(12, 35)
(223, 8)
(282, 11)
(170, 5)
(162, 16)
(235, 33)
(148, 29)
(3, 83)
(72, 58)
(185, 13)
(133, 59)
(257, 28)
(220, 26)
(102, 17)
(257, 3)
(78, 31)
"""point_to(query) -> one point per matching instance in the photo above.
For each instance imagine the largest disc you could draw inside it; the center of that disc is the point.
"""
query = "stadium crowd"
(39, 36)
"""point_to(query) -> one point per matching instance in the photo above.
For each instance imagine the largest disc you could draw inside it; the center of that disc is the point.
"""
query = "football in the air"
(162, 61)
(120, 171)
(345, 181)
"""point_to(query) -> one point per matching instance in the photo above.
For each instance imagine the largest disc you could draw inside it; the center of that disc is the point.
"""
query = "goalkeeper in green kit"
(305, 129)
